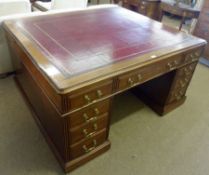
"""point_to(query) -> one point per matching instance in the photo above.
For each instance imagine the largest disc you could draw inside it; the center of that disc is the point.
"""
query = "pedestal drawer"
(87, 146)
(89, 130)
(88, 114)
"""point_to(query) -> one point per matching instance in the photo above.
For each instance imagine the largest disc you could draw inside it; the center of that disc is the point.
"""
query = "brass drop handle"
(169, 66)
(92, 119)
(87, 98)
(96, 111)
(191, 68)
(176, 62)
(192, 55)
(181, 92)
(130, 82)
(197, 54)
(88, 135)
(186, 79)
(142, 7)
(95, 126)
(182, 84)
(99, 93)
(88, 120)
(139, 77)
(87, 150)
(187, 72)
(85, 116)
(178, 97)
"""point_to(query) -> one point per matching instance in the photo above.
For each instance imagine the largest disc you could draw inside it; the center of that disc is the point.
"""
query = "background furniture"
(183, 10)
(59, 4)
(71, 84)
(202, 27)
(148, 8)
(8, 10)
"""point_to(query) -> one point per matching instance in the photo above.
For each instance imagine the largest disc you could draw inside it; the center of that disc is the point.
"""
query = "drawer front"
(88, 114)
(132, 2)
(89, 130)
(187, 71)
(144, 74)
(190, 14)
(193, 55)
(181, 83)
(142, 7)
(87, 146)
(90, 94)
(177, 94)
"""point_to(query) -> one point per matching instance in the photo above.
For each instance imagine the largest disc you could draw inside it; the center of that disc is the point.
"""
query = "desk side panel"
(46, 114)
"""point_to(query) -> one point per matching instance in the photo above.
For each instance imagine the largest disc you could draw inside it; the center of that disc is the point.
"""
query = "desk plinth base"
(73, 164)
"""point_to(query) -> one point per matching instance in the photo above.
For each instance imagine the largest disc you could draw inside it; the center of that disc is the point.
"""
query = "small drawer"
(187, 70)
(193, 55)
(90, 94)
(89, 145)
(89, 130)
(177, 94)
(182, 82)
(133, 2)
(146, 73)
(88, 114)
(131, 79)
(173, 63)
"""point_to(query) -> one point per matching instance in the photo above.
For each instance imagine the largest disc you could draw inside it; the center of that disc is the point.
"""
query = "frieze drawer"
(90, 94)
(141, 75)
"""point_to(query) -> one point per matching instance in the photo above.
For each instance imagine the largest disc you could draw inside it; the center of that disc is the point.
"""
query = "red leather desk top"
(81, 41)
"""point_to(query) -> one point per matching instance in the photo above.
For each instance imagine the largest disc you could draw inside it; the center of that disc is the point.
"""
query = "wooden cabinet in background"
(202, 28)
(148, 8)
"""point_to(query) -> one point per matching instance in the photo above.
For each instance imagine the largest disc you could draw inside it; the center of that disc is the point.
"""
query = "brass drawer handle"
(181, 93)
(96, 111)
(170, 66)
(87, 150)
(194, 57)
(87, 98)
(178, 97)
(143, 2)
(142, 7)
(186, 71)
(191, 68)
(88, 120)
(186, 80)
(176, 62)
(182, 84)
(99, 93)
(85, 116)
(139, 77)
(197, 54)
(130, 82)
(88, 135)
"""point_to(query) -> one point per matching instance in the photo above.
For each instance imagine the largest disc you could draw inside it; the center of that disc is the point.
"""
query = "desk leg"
(182, 22)
(161, 16)
(167, 92)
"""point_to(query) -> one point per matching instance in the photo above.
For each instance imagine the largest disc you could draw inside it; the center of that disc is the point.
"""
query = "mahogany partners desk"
(72, 64)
